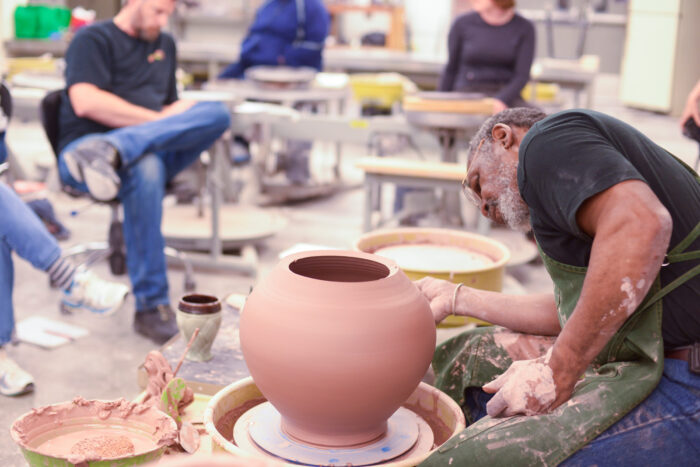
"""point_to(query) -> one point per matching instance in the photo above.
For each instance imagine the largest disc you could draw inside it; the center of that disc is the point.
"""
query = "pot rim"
(287, 261)
(199, 308)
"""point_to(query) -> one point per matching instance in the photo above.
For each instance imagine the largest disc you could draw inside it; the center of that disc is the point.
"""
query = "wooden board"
(475, 106)
(413, 168)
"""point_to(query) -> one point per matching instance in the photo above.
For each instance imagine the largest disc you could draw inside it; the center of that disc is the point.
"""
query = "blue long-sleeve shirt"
(480, 53)
(284, 32)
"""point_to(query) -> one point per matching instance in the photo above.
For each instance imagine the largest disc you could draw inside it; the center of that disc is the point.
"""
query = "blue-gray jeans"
(151, 155)
(664, 430)
(21, 231)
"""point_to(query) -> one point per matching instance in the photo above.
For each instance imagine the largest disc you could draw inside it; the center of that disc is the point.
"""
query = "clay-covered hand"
(526, 388)
(438, 292)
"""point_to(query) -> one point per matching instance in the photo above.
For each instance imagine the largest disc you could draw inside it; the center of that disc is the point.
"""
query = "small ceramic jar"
(203, 312)
(336, 341)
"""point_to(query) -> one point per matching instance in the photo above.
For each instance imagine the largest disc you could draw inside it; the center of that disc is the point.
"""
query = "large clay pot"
(336, 341)
(203, 312)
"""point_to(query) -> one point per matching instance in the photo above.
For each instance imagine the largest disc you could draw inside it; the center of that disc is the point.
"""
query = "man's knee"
(147, 173)
(218, 115)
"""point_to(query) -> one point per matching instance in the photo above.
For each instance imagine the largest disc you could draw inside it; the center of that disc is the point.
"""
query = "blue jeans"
(664, 430)
(151, 155)
(23, 232)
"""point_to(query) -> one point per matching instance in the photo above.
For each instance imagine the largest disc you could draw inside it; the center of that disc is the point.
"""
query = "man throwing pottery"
(124, 134)
(594, 373)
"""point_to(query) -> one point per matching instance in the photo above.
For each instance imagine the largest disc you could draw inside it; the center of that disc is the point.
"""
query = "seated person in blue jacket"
(285, 33)
(124, 134)
(23, 233)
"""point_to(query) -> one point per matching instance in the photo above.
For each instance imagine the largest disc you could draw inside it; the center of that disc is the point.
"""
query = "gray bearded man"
(593, 373)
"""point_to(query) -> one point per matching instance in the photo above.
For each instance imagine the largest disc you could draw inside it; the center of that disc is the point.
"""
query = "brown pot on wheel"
(336, 341)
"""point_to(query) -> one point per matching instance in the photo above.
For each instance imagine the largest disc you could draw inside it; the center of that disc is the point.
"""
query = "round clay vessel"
(336, 341)
(203, 312)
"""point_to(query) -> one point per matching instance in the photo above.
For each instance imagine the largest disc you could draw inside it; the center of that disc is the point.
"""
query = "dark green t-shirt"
(572, 155)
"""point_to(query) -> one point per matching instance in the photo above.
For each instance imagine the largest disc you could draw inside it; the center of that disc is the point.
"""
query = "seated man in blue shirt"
(285, 33)
(124, 134)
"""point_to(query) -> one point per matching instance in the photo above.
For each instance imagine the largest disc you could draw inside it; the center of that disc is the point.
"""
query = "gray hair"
(523, 117)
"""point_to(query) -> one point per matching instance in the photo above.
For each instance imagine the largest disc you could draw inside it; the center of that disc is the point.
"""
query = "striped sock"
(61, 273)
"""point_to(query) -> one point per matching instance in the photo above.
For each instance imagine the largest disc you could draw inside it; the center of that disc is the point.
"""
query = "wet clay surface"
(103, 446)
(225, 424)
(430, 256)
(523, 346)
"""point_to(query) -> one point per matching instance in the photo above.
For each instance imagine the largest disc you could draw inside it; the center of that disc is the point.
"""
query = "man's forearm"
(531, 314)
(625, 259)
(106, 108)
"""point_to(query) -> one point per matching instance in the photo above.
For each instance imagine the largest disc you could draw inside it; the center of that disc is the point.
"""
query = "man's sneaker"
(157, 324)
(13, 380)
(89, 292)
(94, 162)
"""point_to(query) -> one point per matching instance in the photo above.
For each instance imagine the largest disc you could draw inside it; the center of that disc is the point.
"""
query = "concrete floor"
(103, 365)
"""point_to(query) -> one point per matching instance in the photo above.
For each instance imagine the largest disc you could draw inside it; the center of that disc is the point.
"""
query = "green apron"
(622, 376)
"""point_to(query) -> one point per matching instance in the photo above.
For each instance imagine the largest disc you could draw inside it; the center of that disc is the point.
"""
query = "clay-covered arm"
(102, 106)
(631, 231)
(531, 314)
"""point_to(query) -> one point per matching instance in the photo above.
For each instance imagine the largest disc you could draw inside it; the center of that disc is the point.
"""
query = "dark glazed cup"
(203, 312)
(199, 304)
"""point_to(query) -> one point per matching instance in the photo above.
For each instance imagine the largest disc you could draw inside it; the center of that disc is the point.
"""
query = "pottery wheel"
(259, 431)
(184, 229)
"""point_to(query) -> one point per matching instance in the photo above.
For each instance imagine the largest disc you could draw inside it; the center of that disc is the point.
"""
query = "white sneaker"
(89, 292)
(13, 380)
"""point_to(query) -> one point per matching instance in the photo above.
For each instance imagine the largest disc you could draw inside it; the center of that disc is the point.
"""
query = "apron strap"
(678, 257)
(674, 256)
(672, 286)
(683, 244)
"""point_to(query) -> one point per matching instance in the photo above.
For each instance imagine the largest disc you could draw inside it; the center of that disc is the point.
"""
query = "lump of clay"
(101, 447)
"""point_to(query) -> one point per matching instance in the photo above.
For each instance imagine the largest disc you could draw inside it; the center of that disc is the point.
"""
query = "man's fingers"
(496, 384)
(496, 405)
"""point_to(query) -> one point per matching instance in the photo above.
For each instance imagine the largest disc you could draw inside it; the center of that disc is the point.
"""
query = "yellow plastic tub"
(489, 277)
(383, 89)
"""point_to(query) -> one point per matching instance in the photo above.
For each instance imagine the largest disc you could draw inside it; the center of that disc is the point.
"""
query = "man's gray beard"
(512, 207)
(514, 211)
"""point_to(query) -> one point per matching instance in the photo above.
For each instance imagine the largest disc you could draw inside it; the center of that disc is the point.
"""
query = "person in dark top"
(617, 220)
(490, 50)
(123, 133)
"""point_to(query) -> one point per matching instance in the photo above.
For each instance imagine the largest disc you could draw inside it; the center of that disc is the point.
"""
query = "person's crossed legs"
(144, 157)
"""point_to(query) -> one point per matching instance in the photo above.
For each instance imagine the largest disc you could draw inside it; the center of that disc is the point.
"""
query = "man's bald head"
(521, 117)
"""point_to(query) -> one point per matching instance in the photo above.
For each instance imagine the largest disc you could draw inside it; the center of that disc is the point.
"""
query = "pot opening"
(199, 298)
(199, 304)
(339, 269)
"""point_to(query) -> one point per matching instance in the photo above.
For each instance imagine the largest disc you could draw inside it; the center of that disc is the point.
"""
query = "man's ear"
(503, 134)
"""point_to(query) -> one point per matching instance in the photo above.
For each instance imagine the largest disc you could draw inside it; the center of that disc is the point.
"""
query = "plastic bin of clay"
(486, 275)
(442, 414)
